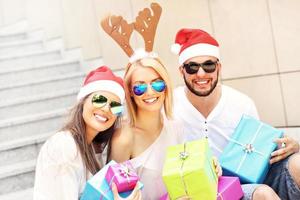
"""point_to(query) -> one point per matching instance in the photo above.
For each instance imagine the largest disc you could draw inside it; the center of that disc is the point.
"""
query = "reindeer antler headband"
(145, 24)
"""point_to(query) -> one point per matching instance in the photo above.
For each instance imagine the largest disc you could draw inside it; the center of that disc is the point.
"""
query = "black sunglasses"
(193, 67)
(100, 101)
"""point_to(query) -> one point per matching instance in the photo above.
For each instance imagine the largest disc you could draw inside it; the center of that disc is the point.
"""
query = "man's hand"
(218, 168)
(285, 147)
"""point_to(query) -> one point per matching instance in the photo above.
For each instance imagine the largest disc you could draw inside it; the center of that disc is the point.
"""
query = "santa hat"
(190, 43)
(102, 79)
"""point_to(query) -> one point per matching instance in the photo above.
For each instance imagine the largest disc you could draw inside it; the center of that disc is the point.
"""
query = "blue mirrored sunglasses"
(100, 101)
(140, 89)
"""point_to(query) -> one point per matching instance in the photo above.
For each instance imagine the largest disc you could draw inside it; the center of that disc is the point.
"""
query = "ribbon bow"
(125, 172)
(249, 148)
(183, 155)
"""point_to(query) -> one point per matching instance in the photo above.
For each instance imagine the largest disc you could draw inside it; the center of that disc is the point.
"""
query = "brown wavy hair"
(76, 126)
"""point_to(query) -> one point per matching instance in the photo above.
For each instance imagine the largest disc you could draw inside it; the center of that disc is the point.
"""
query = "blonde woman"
(151, 129)
(68, 158)
(148, 92)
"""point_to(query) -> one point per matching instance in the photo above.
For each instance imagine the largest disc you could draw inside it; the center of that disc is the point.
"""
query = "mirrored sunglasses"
(100, 101)
(193, 67)
(140, 89)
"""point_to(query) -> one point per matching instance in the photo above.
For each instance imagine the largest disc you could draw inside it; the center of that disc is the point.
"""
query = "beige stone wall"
(46, 15)
(39, 14)
(12, 11)
(266, 61)
(259, 40)
(259, 43)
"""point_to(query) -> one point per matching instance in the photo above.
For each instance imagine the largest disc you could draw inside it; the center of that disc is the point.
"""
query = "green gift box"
(189, 171)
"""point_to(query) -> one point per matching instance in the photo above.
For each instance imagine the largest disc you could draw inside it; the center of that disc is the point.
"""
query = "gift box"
(164, 197)
(97, 188)
(229, 188)
(251, 144)
(123, 175)
(189, 171)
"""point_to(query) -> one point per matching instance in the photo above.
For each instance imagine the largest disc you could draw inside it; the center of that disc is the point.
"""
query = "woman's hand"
(286, 147)
(218, 168)
(135, 195)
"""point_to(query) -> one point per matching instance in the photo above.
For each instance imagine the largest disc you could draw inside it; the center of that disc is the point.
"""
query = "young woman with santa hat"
(68, 158)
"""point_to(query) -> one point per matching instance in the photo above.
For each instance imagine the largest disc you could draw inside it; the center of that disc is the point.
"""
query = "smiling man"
(210, 109)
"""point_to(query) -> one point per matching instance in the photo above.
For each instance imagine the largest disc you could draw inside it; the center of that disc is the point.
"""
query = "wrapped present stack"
(229, 188)
(99, 188)
(251, 144)
(189, 171)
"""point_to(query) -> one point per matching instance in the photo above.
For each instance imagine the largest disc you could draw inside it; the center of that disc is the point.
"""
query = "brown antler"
(146, 24)
(119, 30)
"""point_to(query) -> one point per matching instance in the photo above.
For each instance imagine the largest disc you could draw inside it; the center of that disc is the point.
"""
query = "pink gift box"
(164, 197)
(229, 188)
(123, 175)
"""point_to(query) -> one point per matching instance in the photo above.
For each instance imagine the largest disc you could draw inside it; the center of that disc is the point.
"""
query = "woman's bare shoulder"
(122, 142)
(124, 134)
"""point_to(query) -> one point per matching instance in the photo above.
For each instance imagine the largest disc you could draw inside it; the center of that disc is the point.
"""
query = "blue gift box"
(249, 149)
(97, 187)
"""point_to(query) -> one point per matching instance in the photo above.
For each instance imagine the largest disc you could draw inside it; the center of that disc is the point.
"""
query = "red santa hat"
(102, 79)
(190, 43)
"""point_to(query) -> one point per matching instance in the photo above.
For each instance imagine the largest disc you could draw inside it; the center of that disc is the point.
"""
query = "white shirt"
(221, 121)
(60, 173)
(149, 164)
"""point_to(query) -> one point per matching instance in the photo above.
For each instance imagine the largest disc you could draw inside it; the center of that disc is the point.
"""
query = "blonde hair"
(157, 65)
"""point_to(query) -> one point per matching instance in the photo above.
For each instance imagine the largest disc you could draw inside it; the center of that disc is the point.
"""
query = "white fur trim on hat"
(199, 50)
(175, 48)
(141, 53)
(102, 85)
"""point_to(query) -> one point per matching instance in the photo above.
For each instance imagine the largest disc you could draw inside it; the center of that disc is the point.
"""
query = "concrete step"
(26, 194)
(21, 46)
(29, 59)
(42, 86)
(35, 41)
(30, 125)
(27, 73)
(18, 26)
(23, 149)
(10, 37)
(38, 103)
(16, 177)
(19, 31)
